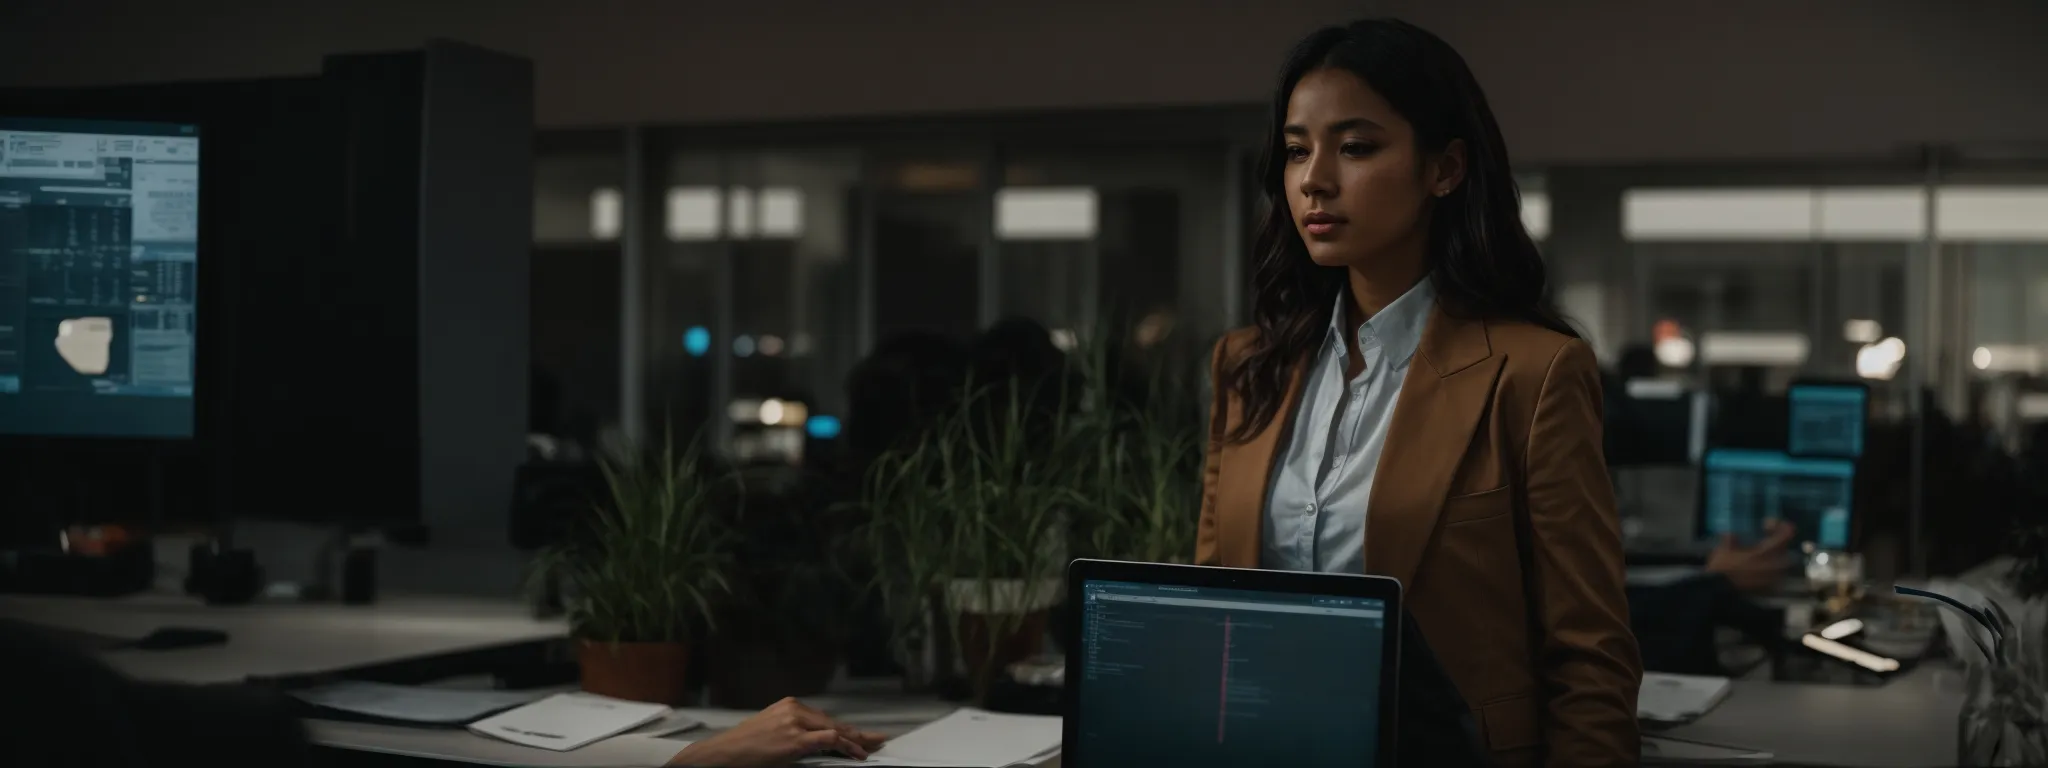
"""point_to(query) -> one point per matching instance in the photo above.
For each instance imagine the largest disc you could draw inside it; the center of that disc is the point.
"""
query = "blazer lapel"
(1241, 506)
(1443, 395)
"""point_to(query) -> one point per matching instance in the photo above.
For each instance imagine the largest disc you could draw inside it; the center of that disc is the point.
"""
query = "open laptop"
(1195, 666)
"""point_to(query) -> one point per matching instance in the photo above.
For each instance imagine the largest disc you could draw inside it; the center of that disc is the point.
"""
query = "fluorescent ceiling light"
(1735, 348)
(1046, 213)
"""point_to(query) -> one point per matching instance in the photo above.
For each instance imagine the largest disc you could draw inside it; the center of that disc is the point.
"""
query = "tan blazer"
(1492, 506)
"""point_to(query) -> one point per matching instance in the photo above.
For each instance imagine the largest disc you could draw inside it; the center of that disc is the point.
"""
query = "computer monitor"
(99, 254)
(1197, 666)
(1827, 419)
(1740, 489)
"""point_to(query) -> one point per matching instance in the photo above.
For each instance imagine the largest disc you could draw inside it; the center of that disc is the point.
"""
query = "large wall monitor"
(99, 253)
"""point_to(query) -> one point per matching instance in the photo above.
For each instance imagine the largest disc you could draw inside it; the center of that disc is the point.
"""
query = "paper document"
(1659, 751)
(968, 738)
(676, 721)
(1678, 698)
(566, 721)
(413, 704)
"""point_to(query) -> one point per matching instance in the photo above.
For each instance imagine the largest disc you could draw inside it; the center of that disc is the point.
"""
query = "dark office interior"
(706, 354)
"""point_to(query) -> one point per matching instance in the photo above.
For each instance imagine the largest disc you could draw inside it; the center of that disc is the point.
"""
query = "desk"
(873, 705)
(1908, 723)
(275, 639)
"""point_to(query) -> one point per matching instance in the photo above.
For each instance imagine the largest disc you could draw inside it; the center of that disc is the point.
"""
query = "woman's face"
(1355, 181)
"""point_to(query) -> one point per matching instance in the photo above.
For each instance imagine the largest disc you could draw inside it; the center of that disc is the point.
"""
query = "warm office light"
(1536, 215)
(2007, 358)
(771, 345)
(607, 213)
(1881, 360)
(1862, 331)
(771, 412)
(1842, 629)
(1861, 658)
(1674, 352)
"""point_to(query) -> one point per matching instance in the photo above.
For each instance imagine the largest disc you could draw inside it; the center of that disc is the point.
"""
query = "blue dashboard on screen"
(99, 255)
(1197, 676)
(1744, 488)
(1827, 420)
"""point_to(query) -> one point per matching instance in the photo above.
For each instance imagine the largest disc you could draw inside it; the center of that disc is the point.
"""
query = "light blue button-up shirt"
(1316, 507)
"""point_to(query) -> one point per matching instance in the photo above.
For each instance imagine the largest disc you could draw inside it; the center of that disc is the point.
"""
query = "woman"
(1409, 405)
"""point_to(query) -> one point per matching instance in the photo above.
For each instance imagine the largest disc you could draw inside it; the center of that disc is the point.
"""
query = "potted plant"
(780, 630)
(969, 526)
(640, 578)
(1146, 434)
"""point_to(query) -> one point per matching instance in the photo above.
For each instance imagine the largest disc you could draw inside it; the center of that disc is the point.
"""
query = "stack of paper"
(1667, 698)
(968, 738)
(566, 721)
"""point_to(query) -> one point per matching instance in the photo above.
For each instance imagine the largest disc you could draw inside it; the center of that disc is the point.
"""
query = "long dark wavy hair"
(1482, 261)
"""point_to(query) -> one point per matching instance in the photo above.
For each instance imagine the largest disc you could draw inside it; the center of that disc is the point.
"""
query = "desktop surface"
(99, 252)
(1208, 676)
(1741, 489)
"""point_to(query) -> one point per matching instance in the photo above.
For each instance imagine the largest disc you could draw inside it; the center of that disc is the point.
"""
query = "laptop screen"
(1198, 676)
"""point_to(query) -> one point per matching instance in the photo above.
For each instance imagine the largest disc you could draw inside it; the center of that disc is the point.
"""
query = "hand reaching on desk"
(781, 734)
(1757, 567)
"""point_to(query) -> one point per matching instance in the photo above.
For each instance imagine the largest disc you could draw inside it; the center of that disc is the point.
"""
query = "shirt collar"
(1396, 330)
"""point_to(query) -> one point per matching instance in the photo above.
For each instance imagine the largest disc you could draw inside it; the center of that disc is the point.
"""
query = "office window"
(1731, 267)
(1118, 241)
(576, 198)
(575, 295)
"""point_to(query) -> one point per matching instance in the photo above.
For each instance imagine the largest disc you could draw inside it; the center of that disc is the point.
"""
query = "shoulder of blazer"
(1533, 351)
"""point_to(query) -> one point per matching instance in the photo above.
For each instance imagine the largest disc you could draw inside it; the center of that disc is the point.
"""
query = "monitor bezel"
(1381, 588)
(207, 272)
(1700, 532)
(1857, 384)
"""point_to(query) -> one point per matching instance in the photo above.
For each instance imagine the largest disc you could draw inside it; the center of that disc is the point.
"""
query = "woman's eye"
(1357, 149)
(1296, 152)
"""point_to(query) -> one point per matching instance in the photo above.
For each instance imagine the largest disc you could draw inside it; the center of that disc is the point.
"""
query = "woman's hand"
(781, 734)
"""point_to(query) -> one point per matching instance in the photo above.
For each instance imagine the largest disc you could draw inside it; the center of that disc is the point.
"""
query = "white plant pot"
(1002, 596)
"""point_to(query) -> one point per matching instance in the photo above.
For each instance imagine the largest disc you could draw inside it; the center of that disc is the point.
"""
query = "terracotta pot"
(751, 671)
(651, 672)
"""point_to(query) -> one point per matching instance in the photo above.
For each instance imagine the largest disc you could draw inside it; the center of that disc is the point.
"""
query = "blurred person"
(63, 707)
(1757, 567)
(1410, 404)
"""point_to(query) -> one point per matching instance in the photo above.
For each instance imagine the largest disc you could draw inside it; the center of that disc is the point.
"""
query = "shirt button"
(1311, 509)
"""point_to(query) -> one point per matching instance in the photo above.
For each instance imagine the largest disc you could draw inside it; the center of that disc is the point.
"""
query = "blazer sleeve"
(1587, 657)
(1205, 530)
